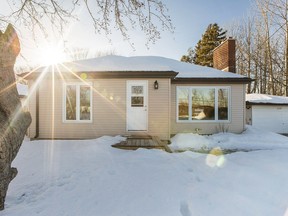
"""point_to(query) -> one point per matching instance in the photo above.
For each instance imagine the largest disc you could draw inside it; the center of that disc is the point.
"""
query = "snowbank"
(250, 139)
(89, 177)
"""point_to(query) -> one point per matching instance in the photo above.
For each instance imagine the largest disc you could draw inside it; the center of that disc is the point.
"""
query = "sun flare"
(50, 55)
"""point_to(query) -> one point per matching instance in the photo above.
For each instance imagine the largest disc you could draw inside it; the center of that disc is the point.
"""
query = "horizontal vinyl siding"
(270, 118)
(238, 108)
(32, 109)
(236, 125)
(159, 109)
(108, 110)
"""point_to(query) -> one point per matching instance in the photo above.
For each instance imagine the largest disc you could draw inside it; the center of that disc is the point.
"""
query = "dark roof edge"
(144, 74)
(268, 104)
(224, 80)
(110, 74)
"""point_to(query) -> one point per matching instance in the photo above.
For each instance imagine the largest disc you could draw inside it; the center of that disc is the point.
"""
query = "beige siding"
(159, 109)
(109, 110)
(236, 125)
(32, 109)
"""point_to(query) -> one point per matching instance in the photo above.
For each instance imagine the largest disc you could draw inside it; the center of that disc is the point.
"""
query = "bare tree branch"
(150, 16)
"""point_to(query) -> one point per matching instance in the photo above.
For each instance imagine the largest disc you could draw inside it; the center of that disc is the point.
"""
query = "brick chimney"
(224, 56)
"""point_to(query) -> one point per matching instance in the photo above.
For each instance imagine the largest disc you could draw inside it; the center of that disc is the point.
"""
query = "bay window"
(203, 104)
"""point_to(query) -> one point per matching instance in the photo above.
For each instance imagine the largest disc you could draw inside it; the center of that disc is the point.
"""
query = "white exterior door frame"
(137, 105)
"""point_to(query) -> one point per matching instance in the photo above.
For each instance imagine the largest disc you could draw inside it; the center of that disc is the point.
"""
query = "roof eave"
(208, 80)
(266, 104)
(108, 74)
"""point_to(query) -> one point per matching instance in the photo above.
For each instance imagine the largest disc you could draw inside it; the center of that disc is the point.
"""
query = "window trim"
(190, 120)
(78, 85)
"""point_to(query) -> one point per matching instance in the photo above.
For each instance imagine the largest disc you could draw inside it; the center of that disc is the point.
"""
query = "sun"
(51, 54)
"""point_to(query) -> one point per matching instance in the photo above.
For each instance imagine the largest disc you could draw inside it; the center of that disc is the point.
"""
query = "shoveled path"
(149, 142)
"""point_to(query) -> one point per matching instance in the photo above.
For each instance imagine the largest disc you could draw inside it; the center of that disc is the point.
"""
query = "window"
(183, 103)
(202, 104)
(137, 96)
(77, 103)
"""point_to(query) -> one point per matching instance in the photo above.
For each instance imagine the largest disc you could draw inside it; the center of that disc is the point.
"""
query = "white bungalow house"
(142, 95)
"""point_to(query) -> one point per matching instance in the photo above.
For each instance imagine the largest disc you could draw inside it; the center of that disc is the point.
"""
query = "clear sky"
(190, 18)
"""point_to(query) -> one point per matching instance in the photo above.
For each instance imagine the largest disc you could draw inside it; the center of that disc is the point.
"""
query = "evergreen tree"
(202, 54)
(189, 57)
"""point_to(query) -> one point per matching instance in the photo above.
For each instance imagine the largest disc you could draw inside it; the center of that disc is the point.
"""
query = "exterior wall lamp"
(156, 85)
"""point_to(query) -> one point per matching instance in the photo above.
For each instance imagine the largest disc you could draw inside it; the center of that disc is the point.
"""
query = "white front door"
(137, 107)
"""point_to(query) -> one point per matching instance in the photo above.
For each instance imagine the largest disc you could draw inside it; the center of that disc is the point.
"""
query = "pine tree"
(202, 54)
(189, 57)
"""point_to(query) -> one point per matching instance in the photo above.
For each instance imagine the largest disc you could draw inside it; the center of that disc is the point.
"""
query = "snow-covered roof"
(266, 99)
(22, 89)
(144, 63)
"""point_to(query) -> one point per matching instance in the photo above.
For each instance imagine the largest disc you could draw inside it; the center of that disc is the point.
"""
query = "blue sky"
(190, 18)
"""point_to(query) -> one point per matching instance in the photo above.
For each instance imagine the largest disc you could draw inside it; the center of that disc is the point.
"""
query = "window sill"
(77, 121)
(203, 121)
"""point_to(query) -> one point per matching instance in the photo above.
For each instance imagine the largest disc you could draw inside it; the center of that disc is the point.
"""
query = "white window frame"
(216, 88)
(78, 85)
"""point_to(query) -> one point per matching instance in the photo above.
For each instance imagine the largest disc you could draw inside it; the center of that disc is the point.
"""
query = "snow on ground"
(250, 139)
(89, 177)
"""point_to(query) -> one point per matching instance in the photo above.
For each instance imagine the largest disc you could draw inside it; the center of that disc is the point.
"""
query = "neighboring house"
(268, 112)
(133, 96)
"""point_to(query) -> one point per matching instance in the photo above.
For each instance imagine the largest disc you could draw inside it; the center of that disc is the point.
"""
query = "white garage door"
(271, 118)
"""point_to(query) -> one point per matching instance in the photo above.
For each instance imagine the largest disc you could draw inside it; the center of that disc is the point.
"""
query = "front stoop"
(148, 142)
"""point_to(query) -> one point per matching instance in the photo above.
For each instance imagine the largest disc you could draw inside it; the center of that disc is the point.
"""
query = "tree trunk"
(13, 120)
(249, 54)
(286, 50)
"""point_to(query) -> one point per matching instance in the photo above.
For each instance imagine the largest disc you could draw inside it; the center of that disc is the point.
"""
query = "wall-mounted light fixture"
(156, 85)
